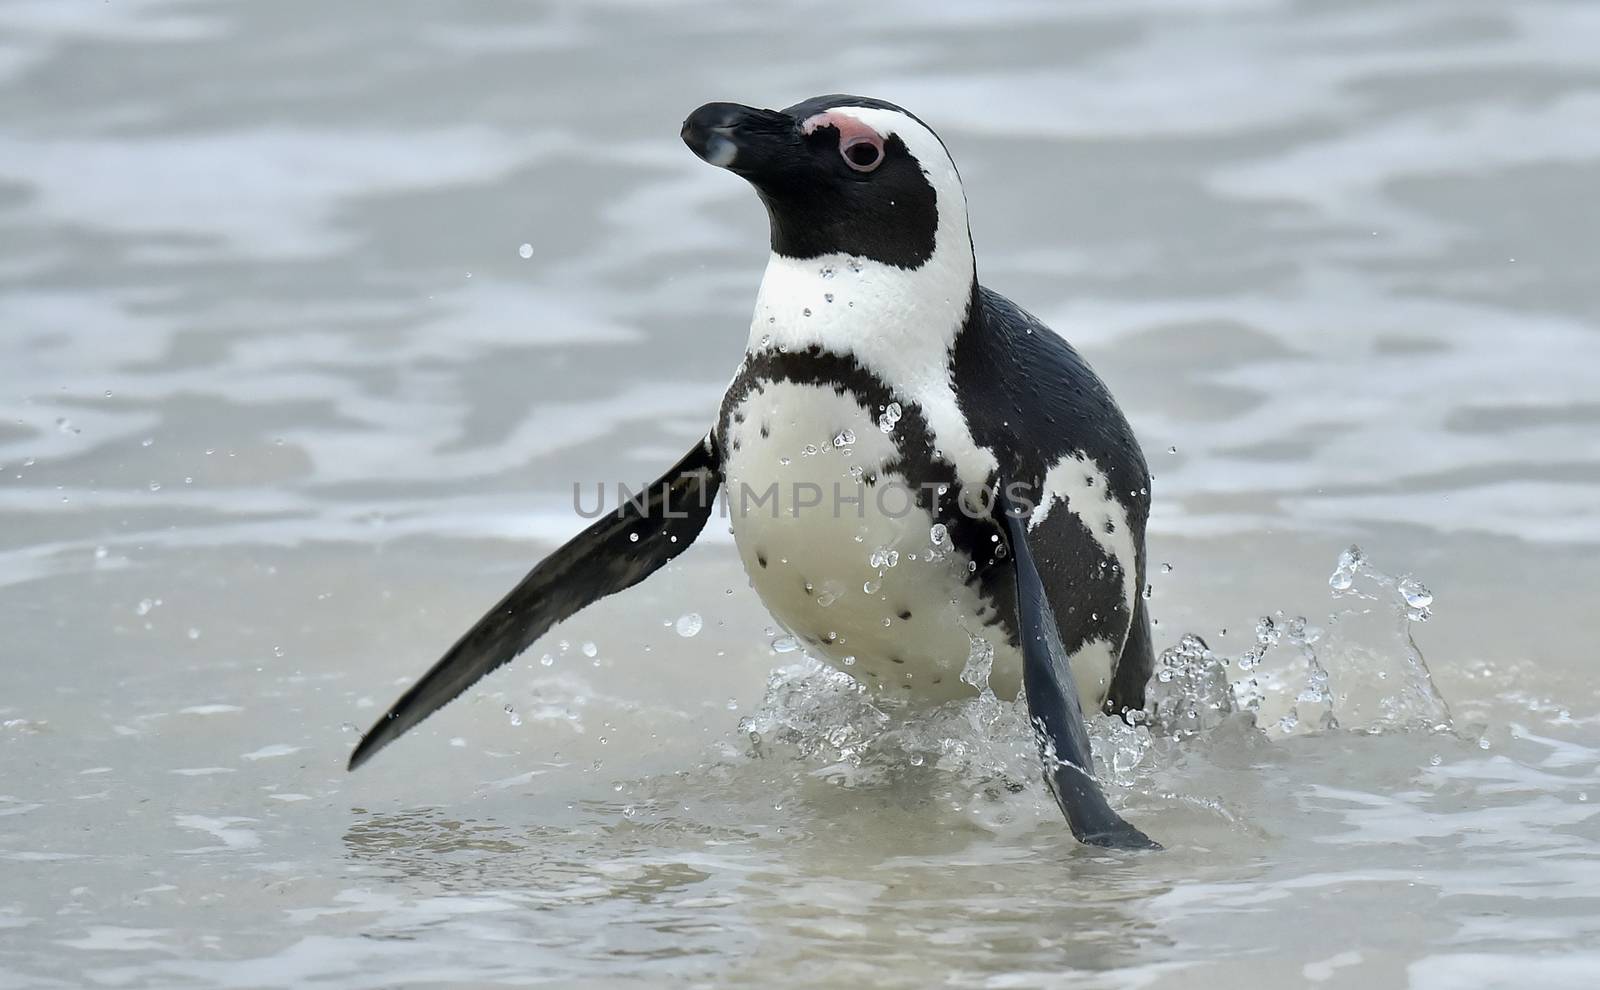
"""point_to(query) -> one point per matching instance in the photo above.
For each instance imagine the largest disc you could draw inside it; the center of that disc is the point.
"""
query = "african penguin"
(917, 471)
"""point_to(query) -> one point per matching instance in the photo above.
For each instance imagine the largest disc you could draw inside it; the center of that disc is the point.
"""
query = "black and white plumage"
(917, 470)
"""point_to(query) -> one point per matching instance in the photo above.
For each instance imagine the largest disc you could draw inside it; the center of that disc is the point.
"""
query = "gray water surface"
(283, 409)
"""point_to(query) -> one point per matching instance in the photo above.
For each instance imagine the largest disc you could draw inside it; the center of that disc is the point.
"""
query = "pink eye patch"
(860, 146)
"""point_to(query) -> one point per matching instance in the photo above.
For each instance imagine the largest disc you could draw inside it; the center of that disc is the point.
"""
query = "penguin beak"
(747, 142)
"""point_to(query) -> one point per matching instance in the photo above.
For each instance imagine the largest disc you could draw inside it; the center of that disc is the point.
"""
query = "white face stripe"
(953, 238)
(1077, 481)
(896, 323)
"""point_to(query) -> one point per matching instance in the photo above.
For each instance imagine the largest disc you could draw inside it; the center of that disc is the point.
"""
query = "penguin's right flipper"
(1053, 705)
(621, 549)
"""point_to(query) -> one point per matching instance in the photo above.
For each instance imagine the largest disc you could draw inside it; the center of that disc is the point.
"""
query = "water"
(315, 312)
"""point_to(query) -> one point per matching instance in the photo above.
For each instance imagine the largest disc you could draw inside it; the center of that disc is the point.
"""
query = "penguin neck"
(899, 323)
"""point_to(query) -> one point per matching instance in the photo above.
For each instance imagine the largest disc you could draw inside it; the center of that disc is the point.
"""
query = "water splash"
(1382, 681)
(980, 661)
(1362, 672)
(982, 748)
(1359, 671)
(1190, 693)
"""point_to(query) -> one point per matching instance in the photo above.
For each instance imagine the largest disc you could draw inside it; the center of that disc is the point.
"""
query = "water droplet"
(891, 416)
(827, 271)
(806, 311)
(871, 587)
(808, 450)
(1415, 593)
(785, 644)
(515, 718)
(547, 661)
(194, 633)
(849, 661)
(689, 624)
(526, 250)
(980, 661)
(155, 486)
(1166, 568)
(145, 606)
(1172, 449)
(590, 650)
(827, 297)
(939, 534)
(1267, 631)
(1344, 573)
(844, 438)
(633, 537)
(1148, 591)
(101, 553)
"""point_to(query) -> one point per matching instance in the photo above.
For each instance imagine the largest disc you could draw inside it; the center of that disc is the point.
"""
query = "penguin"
(918, 472)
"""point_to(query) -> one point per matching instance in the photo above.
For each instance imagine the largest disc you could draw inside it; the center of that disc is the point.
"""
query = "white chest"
(842, 554)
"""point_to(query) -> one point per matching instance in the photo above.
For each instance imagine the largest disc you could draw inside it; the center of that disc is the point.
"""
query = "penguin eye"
(860, 146)
(862, 152)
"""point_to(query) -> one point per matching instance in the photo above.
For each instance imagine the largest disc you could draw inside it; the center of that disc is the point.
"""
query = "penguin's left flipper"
(619, 550)
(1053, 703)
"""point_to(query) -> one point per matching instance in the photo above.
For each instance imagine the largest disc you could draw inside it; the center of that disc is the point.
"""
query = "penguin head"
(841, 175)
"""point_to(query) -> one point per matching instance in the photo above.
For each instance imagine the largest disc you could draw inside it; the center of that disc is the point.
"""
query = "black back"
(1032, 399)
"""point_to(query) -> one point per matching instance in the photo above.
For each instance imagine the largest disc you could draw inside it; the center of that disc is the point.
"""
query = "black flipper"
(1135, 668)
(1053, 704)
(621, 549)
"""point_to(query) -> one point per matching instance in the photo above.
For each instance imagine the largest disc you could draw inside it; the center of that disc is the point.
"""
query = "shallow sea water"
(283, 408)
